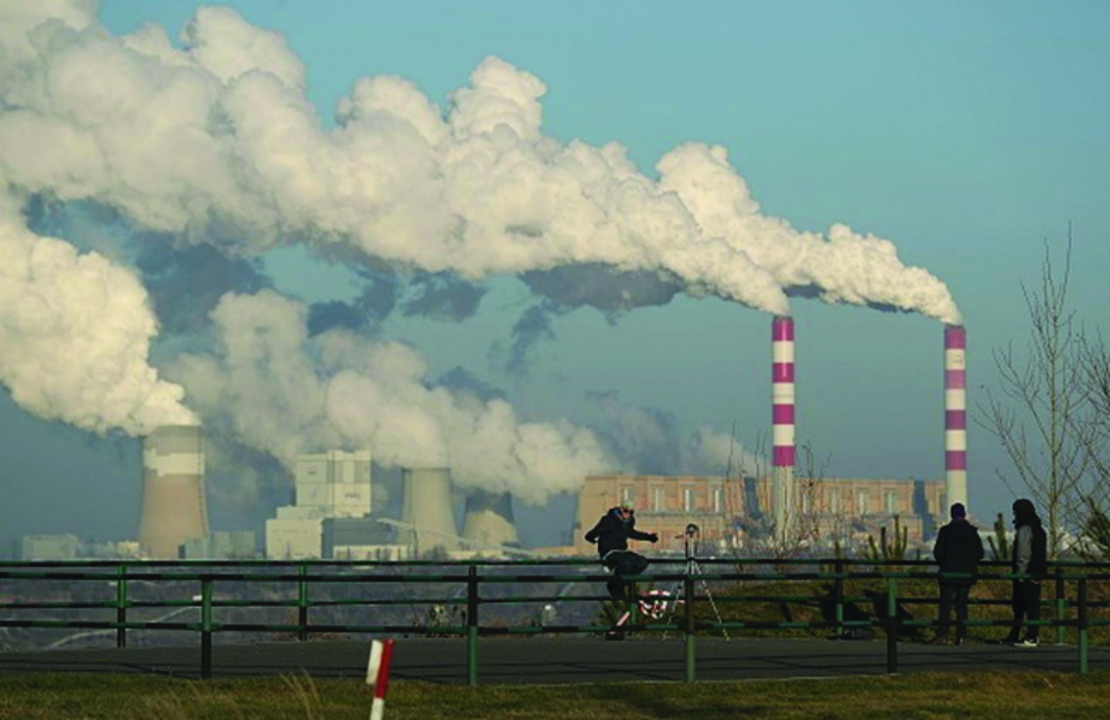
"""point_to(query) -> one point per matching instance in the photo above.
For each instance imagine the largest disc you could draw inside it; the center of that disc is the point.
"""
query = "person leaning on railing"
(612, 533)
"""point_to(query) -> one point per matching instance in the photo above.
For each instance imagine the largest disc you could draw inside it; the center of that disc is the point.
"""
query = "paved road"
(560, 660)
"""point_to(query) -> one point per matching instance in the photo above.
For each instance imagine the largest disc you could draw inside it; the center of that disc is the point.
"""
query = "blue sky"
(967, 134)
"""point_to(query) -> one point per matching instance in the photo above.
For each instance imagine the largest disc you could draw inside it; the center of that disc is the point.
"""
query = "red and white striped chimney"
(782, 428)
(955, 414)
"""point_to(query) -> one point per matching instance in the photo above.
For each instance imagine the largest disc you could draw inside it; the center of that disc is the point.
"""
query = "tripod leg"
(712, 602)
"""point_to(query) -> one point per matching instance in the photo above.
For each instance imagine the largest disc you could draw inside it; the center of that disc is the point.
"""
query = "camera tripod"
(691, 538)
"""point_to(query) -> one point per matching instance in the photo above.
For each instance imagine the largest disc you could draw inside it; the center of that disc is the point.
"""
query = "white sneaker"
(1026, 642)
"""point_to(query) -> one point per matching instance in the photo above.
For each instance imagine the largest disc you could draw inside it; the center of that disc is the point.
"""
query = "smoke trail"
(218, 136)
(648, 441)
(280, 390)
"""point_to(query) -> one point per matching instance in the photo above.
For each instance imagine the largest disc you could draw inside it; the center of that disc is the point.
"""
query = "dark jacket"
(1030, 554)
(958, 549)
(612, 533)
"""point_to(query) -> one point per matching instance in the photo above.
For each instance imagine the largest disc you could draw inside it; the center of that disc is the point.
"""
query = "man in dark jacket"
(958, 549)
(1030, 558)
(612, 534)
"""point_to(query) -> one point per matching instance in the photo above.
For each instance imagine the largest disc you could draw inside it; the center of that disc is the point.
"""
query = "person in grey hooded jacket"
(1030, 558)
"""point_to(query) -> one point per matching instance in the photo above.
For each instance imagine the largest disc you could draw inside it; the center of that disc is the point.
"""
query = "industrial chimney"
(488, 521)
(427, 509)
(172, 510)
(782, 427)
(955, 414)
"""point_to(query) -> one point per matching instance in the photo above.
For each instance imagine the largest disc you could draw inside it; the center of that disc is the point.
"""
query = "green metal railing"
(731, 576)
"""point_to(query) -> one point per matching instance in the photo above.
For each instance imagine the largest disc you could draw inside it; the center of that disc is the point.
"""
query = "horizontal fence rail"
(456, 596)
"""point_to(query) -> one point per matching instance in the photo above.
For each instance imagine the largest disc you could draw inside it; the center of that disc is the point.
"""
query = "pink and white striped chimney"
(955, 414)
(782, 428)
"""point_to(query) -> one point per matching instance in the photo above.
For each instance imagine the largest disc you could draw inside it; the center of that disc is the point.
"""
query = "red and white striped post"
(955, 414)
(377, 674)
(782, 427)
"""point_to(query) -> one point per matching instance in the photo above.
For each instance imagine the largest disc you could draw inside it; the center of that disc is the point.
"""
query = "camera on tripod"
(692, 533)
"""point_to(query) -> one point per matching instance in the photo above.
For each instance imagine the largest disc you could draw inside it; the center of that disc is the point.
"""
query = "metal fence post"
(688, 596)
(302, 603)
(891, 626)
(121, 605)
(1081, 625)
(1061, 606)
(472, 625)
(206, 627)
(838, 585)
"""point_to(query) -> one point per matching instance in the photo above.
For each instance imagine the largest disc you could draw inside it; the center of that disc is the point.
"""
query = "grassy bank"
(985, 695)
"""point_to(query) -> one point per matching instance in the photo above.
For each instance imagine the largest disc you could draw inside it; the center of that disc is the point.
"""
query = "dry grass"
(986, 695)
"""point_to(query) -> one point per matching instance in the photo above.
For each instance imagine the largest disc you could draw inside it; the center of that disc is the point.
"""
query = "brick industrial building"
(732, 512)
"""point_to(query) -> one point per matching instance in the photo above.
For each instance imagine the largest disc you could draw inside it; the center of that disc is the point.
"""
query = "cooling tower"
(488, 521)
(172, 508)
(427, 508)
(782, 428)
(955, 414)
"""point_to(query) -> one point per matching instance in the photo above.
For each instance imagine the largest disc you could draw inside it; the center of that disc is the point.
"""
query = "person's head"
(627, 509)
(1024, 512)
(958, 511)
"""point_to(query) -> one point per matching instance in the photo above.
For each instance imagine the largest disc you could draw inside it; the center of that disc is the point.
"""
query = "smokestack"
(427, 507)
(782, 428)
(488, 520)
(172, 509)
(955, 414)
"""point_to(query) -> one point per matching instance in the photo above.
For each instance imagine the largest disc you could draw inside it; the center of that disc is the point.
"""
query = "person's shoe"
(959, 641)
(614, 635)
(1027, 642)
(939, 640)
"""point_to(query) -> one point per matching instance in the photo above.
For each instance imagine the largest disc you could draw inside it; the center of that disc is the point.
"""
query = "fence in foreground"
(686, 598)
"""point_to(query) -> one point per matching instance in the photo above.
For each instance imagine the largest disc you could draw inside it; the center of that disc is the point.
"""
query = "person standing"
(958, 549)
(612, 533)
(1030, 558)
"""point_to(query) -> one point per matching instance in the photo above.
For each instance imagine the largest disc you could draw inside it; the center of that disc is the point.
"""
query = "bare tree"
(1040, 413)
(1096, 368)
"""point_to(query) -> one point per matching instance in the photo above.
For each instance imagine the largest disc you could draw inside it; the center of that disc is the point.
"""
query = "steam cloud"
(278, 389)
(219, 135)
(75, 333)
(215, 144)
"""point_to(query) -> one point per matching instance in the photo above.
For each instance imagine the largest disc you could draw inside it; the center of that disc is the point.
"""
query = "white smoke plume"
(75, 332)
(218, 138)
(279, 390)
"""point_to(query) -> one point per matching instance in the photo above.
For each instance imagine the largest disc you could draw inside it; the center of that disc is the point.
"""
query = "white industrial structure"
(172, 509)
(488, 520)
(334, 484)
(427, 511)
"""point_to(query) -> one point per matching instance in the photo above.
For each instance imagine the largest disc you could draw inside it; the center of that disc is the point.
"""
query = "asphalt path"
(560, 660)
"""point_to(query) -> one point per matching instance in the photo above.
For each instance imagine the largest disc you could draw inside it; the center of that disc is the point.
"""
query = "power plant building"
(334, 484)
(730, 513)
(427, 514)
(172, 509)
